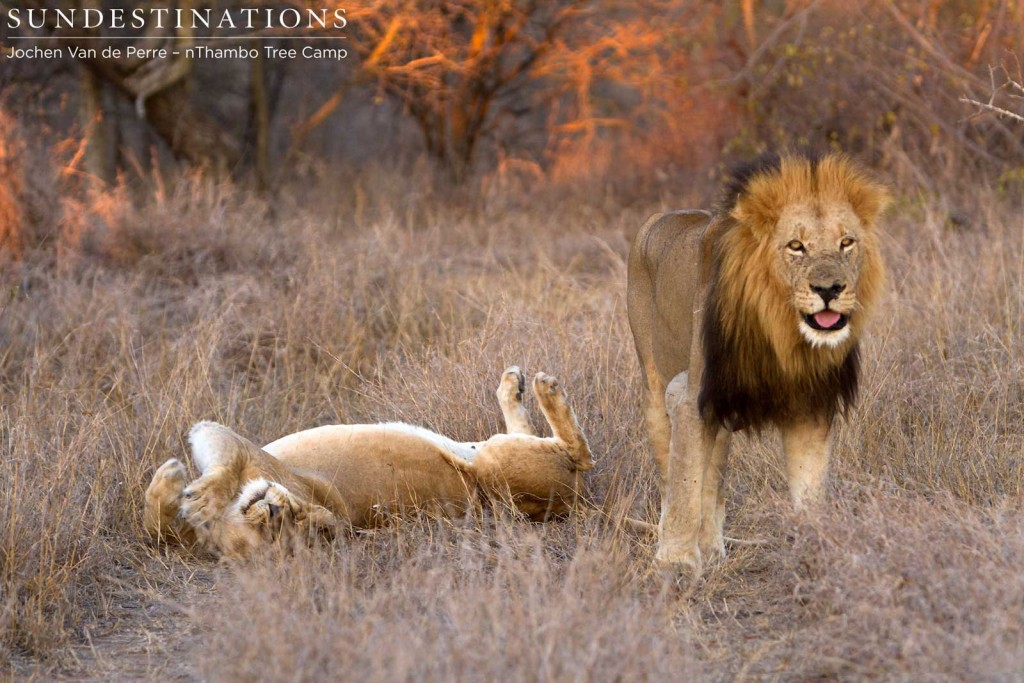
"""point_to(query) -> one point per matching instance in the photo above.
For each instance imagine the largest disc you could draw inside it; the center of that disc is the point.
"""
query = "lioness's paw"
(253, 491)
(163, 499)
(267, 505)
(168, 480)
(203, 501)
(512, 385)
(281, 502)
(548, 389)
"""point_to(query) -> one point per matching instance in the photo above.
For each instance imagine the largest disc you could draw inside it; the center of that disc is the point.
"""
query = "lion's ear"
(760, 203)
(869, 200)
(841, 178)
(759, 211)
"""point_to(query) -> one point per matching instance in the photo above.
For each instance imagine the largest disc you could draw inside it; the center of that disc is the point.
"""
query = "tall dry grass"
(377, 304)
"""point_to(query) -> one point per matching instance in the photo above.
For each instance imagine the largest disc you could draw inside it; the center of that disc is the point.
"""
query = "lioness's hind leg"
(163, 502)
(510, 398)
(562, 419)
(213, 445)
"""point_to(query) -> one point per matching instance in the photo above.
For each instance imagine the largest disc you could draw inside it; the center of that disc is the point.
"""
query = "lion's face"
(804, 257)
(819, 255)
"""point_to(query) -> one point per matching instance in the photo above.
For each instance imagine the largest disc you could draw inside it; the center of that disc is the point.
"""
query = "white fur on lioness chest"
(466, 451)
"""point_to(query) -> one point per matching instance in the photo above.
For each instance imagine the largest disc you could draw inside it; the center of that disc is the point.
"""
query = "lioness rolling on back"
(349, 476)
(751, 317)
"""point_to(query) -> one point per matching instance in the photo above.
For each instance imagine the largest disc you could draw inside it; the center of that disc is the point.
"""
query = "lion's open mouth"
(827, 321)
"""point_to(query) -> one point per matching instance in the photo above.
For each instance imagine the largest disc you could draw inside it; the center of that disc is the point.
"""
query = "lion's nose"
(828, 293)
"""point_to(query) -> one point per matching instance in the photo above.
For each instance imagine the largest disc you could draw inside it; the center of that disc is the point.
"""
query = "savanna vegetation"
(279, 244)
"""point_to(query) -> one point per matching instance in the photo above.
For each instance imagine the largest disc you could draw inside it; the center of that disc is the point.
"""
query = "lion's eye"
(846, 243)
(796, 245)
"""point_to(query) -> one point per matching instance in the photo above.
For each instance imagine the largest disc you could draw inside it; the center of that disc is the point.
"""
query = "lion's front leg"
(808, 446)
(690, 451)
(712, 527)
(712, 537)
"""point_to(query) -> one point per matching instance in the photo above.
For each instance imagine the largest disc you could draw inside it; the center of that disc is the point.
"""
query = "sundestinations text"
(164, 17)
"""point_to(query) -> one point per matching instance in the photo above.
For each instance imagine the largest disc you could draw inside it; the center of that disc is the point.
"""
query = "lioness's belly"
(378, 465)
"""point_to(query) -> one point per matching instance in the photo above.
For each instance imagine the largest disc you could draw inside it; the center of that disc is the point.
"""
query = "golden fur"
(323, 480)
(756, 311)
(747, 279)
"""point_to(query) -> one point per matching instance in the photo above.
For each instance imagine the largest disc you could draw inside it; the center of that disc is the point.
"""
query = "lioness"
(753, 315)
(336, 477)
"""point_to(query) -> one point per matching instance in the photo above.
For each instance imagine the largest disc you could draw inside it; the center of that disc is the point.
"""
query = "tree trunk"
(190, 134)
(260, 115)
(95, 120)
(99, 147)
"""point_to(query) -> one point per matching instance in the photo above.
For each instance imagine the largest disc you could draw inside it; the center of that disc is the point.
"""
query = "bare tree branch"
(1009, 88)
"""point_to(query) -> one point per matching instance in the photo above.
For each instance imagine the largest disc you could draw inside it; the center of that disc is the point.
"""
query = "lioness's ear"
(841, 178)
(320, 520)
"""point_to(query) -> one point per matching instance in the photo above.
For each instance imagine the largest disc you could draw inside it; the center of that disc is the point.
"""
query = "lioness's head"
(809, 250)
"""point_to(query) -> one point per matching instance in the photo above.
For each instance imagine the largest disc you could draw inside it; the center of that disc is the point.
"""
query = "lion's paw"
(712, 547)
(682, 561)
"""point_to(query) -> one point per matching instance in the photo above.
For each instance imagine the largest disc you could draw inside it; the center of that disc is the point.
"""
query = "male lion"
(751, 317)
(339, 477)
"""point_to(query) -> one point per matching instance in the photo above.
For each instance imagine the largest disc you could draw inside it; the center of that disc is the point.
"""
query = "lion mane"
(757, 367)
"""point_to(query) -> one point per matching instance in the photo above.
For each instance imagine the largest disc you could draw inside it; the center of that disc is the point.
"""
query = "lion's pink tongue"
(826, 318)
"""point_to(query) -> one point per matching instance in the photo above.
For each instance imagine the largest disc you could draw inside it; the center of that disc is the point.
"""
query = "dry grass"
(451, 602)
(200, 304)
(924, 587)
